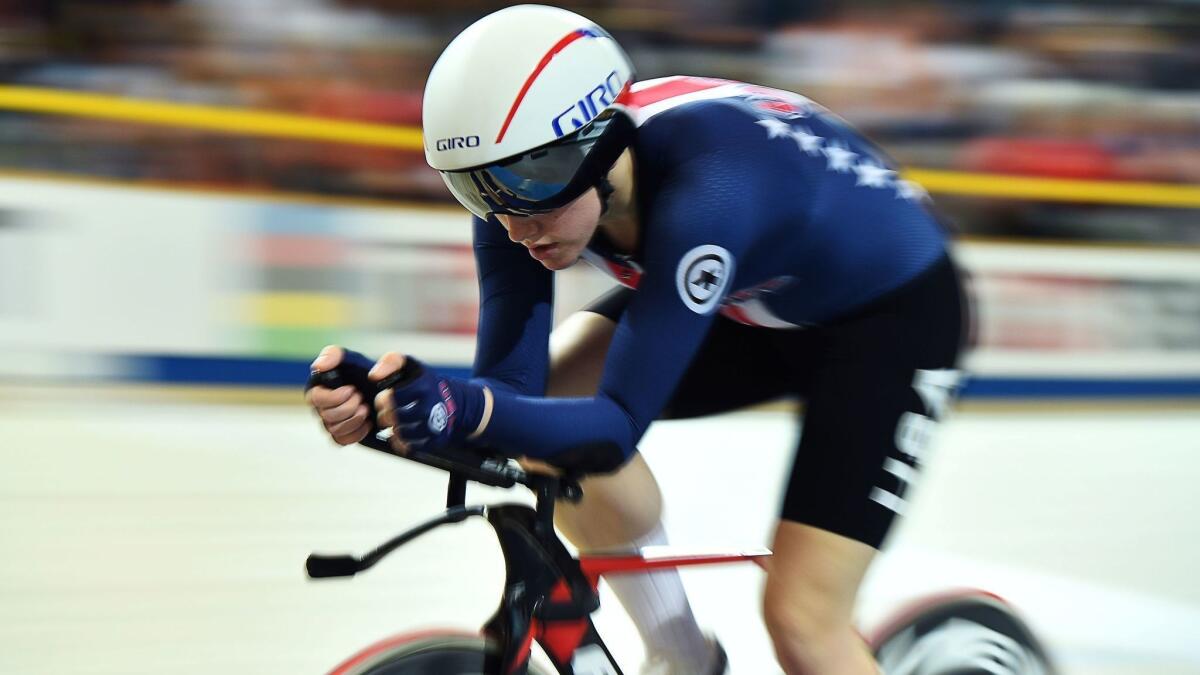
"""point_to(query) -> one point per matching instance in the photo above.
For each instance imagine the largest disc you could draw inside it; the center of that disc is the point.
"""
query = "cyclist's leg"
(809, 598)
(879, 381)
(626, 505)
(621, 511)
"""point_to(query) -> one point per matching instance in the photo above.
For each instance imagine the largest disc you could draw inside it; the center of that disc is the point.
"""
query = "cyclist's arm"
(658, 335)
(515, 299)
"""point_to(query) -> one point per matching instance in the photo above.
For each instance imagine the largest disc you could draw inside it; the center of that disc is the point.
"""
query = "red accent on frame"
(560, 592)
(526, 643)
(595, 567)
(391, 643)
(558, 47)
(560, 639)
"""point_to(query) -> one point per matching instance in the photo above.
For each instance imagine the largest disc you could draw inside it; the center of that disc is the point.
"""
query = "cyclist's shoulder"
(688, 113)
(682, 95)
(680, 117)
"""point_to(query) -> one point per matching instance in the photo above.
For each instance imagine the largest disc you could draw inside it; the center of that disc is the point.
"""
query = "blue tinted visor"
(540, 180)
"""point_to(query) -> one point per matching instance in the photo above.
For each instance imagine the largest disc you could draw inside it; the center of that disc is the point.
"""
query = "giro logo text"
(585, 109)
(457, 142)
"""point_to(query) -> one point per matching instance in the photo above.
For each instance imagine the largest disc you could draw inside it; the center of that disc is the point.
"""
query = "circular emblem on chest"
(702, 277)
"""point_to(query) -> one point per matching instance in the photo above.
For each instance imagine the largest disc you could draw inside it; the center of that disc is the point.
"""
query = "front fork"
(546, 598)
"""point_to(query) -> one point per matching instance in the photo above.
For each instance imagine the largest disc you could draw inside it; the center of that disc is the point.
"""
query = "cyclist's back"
(828, 225)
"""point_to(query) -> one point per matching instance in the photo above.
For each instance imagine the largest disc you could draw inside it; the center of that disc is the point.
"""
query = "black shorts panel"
(716, 381)
(856, 376)
(850, 475)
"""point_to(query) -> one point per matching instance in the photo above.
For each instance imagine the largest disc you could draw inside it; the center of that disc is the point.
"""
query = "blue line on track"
(257, 371)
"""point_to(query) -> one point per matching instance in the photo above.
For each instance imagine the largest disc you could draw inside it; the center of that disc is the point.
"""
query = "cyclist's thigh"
(579, 345)
(616, 509)
(880, 381)
(620, 507)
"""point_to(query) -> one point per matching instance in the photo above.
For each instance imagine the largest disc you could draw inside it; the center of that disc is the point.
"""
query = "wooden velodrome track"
(151, 534)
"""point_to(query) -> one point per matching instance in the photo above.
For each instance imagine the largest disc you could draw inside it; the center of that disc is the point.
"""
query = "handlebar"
(513, 523)
(477, 464)
(321, 566)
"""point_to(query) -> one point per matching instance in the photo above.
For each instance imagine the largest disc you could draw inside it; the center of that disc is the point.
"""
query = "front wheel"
(426, 655)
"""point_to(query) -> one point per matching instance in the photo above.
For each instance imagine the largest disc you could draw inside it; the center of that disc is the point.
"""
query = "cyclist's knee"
(617, 509)
(809, 598)
(804, 620)
(816, 638)
(807, 647)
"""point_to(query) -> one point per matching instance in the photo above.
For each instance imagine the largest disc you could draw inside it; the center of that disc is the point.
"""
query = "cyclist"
(764, 248)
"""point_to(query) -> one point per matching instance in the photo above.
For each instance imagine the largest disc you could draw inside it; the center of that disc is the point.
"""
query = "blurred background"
(280, 140)
(197, 195)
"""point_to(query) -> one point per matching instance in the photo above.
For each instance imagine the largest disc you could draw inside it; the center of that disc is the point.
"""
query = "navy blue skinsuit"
(820, 220)
(756, 206)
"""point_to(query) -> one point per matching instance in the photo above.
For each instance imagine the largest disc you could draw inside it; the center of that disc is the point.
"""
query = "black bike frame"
(547, 597)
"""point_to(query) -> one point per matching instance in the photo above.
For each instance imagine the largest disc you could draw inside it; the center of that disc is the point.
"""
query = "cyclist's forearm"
(515, 314)
(560, 430)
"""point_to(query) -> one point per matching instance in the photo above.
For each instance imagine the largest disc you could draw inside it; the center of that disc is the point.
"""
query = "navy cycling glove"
(435, 411)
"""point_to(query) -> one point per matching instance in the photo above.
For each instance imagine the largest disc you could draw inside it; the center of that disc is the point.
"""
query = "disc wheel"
(973, 634)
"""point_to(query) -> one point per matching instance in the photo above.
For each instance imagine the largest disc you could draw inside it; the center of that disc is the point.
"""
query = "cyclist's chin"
(556, 265)
(561, 259)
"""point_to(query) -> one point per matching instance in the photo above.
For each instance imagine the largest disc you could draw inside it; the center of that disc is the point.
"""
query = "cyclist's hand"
(531, 465)
(389, 364)
(428, 412)
(345, 415)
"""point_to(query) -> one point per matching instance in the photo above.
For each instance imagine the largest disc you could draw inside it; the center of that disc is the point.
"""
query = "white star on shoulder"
(809, 142)
(872, 174)
(775, 128)
(906, 189)
(840, 157)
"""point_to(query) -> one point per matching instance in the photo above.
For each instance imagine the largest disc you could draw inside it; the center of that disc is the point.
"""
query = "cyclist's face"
(557, 239)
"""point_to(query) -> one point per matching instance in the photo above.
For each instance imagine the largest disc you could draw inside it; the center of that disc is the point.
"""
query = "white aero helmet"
(520, 112)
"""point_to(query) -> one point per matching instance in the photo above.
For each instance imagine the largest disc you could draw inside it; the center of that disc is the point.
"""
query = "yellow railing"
(258, 123)
(1056, 189)
(207, 118)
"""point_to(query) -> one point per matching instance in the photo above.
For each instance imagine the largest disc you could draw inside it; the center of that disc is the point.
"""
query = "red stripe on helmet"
(558, 47)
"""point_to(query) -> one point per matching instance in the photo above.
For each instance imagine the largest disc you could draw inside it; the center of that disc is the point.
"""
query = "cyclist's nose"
(522, 229)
